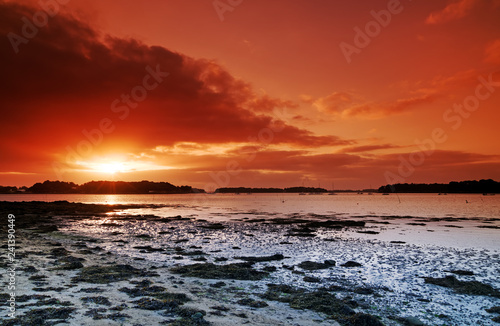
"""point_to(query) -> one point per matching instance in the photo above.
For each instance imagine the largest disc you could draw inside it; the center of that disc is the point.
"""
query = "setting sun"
(110, 168)
(106, 167)
(112, 165)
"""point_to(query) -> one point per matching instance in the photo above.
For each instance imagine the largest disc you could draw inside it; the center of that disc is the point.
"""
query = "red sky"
(250, 93)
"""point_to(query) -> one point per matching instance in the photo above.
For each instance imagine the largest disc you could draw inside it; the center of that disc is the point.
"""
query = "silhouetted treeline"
(103, 187)
(7, 190)
(269, 190)
(142, 187)
(481, 186)
(247, 190)
(305, 189)
(54, 187)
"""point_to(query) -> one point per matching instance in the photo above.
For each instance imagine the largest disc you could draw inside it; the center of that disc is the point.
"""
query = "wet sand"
(93, 268)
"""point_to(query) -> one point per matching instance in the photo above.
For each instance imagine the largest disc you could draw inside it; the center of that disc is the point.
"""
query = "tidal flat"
(83, 264)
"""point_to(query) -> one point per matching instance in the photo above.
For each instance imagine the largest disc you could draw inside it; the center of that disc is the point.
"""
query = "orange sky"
(250, 92)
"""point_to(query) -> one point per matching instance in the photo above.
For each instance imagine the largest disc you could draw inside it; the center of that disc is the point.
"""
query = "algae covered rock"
(107, 274)
(464, 287)
(311, 265)
(236, 271)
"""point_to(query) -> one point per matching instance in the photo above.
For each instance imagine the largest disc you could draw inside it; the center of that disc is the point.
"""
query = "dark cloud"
(69, 78)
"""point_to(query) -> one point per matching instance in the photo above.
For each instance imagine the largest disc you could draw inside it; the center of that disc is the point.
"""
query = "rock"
(361, 319)
(464, 287)
(351, 263)
(252, 303)
(262, 259)
(236, 271)
(412, 321)
(311, 279)
(494, 310)
(461, 272)
(311, 265)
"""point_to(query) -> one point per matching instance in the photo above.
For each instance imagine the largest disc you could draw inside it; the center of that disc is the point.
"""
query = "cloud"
(334, 103)
(367, 148)
(344, 105)
(492, 52)
(65, 80)
(383, 109)
(452, 11)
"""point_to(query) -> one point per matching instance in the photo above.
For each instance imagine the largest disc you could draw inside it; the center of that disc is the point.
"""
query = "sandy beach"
(85, 265)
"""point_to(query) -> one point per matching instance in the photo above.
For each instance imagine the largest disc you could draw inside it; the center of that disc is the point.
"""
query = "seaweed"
(213, 226)
(262, 259)
(461, 272)
(69, 263)
(493, 310)
(236, 271)
(252, 303)
(41, 317)
(148, 249)
(361, 319)
(154, 304)
(107, 274)
(97, 300)
(464, 287)
(158, 292)
(320, 301)
(311, 265)
(351, 263)
(311, 279)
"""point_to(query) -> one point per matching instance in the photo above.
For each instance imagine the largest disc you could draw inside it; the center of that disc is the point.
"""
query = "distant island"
(149, 187)
(271, 190)
(471, 187)
(102, 187)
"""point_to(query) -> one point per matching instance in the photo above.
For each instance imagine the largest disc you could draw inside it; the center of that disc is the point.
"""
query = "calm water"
(421, 205)
(472, 212)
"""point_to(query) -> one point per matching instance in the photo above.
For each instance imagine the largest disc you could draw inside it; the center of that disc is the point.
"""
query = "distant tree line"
(8, 190)
(270, 190)
(102, 187)
(474, 186)
(146, 187)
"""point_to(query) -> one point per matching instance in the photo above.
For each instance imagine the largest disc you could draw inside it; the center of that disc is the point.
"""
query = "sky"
(254, 93)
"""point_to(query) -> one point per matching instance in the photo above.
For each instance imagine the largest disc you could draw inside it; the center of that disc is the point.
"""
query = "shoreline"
(187, 241)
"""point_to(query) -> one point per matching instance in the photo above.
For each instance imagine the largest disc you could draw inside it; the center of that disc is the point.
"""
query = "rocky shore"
(98, 265)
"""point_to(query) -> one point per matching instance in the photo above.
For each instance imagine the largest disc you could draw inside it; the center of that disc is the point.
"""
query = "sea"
(451, 220)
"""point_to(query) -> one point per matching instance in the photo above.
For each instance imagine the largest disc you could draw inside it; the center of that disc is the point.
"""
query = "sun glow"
(110, 168)
(115, 165)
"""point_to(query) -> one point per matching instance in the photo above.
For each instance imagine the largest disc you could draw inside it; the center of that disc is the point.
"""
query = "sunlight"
(110, 168)
(107, 166)
(118, 164)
